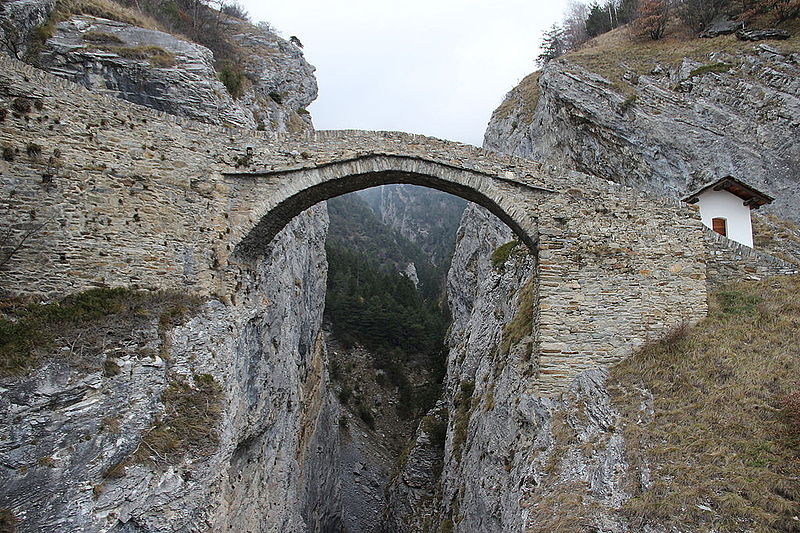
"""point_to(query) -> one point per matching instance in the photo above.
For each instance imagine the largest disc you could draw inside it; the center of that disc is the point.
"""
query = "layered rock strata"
(668, 129)
(274, 83)
(274, 467)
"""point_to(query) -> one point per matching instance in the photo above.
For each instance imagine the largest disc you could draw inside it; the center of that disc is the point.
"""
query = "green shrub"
(8, 153)
(502, 253)
(436, 428)
(714, 68)
(366, 415)
(233, 78)
(336, 370)
(344, 394)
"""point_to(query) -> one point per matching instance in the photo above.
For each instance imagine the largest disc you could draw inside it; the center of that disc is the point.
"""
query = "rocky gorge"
(88, 440)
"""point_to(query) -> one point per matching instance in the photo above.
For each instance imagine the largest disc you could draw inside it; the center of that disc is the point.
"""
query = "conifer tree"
(553, 45)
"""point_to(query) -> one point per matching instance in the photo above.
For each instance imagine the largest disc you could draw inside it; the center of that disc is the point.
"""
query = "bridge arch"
(292, 191)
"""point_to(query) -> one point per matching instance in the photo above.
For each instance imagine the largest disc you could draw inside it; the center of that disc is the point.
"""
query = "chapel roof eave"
(753, 198)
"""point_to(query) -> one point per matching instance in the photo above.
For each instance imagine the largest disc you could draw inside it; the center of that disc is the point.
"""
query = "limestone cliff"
(505, 465)
(663, 116)
(165, 72)
(93, 448)
(426, 217)
(272, 466)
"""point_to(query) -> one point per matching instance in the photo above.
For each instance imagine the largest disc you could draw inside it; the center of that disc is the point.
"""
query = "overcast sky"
(437, 67)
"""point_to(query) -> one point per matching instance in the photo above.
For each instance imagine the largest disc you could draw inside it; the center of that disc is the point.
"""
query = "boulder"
(762, 35)
(722, 25)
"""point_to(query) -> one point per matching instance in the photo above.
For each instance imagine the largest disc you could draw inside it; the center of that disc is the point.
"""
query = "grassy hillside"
(618, 51)
(723, 442)
(613, 54)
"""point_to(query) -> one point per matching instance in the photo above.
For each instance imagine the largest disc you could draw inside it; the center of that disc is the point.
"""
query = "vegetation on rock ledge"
(82, 326)
(191, 411)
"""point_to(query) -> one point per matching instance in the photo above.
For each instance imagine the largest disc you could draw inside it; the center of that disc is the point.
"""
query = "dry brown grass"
(463, 412)
(717, 437)
(618, 51)
(107, 9)
(522, 324)
(777, 236)
(564, 511)
(192, 409)
(524, 96)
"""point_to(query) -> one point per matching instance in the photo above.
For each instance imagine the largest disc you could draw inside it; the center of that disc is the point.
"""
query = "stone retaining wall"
(729, 261)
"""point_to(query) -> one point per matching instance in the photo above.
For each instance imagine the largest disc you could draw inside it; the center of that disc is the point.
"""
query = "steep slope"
(119, 443)
(692, 433)
(665, 116)
(104, 46)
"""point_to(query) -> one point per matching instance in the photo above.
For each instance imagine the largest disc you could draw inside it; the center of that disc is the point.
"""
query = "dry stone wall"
(103, 192)
(729, 261)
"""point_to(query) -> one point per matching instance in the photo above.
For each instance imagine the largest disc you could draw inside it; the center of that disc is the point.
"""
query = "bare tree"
(575, 24)
(652, 20)
(11, 38)
(9, 246)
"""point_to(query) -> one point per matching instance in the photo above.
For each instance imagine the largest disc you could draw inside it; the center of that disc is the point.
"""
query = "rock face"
(412, 494)
(72, 440)
(511, 458)
(676, 127)
(274, 467)
(484, 457)
(173, 75)
(424, 216)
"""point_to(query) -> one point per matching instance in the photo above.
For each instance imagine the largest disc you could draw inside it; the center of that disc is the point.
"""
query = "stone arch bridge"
(107, 193)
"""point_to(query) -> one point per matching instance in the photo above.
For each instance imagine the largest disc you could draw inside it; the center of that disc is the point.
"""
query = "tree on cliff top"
(553, 45)
(781, 10)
